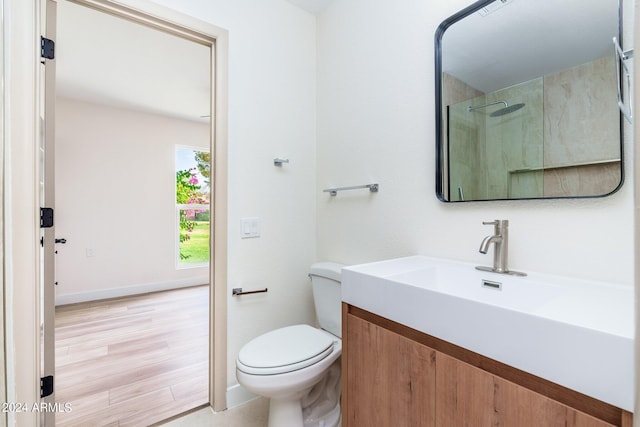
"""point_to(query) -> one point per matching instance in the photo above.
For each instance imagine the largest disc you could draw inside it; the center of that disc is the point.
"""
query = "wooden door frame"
(20, 189)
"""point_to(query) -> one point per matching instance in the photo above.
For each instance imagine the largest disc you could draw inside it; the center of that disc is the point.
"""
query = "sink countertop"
(576, 333)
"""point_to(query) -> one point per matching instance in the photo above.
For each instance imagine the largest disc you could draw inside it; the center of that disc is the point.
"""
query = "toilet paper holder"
(239, 291)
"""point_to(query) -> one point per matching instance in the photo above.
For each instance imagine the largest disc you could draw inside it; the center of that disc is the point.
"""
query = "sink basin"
(576, 333)
(470, 284)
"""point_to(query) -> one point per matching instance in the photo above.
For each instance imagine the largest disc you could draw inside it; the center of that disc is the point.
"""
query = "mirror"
(527, 101)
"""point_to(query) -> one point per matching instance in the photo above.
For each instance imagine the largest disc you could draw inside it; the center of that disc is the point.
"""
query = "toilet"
(284, 365)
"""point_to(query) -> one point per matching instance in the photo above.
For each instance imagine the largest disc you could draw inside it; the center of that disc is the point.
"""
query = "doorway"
(107, 247)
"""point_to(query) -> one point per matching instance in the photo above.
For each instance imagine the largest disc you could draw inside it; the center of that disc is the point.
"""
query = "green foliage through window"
(192, 200)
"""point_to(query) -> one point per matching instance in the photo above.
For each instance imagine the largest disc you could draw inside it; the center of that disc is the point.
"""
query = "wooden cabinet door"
(390, 379)
(468, 396)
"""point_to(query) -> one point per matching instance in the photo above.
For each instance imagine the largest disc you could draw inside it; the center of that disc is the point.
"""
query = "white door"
(47, 201)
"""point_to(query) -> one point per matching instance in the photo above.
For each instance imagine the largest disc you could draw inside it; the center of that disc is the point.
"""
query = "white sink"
(576, 333)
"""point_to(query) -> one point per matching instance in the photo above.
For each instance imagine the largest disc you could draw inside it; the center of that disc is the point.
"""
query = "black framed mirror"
(527, 101)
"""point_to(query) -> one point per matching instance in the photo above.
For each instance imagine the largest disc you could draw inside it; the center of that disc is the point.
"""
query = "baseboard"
(128, 290)
(238, 395)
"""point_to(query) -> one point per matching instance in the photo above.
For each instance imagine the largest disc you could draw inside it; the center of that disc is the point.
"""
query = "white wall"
(376, 123)
(272, 108)
(115, 195)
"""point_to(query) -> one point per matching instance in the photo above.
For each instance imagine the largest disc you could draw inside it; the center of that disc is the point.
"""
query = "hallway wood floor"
(132, 361)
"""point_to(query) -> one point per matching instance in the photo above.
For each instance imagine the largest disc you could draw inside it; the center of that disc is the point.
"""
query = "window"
(193, 170)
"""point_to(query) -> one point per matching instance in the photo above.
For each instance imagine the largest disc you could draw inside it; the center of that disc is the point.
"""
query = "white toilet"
(285, 364)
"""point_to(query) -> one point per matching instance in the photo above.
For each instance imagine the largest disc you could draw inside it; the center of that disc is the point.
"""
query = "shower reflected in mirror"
(501, 112)
(524, 108)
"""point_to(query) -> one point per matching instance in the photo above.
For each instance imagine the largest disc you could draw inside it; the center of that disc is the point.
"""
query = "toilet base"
(285, 412)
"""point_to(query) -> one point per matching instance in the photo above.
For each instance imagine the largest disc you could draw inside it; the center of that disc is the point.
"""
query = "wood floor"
(132, 361)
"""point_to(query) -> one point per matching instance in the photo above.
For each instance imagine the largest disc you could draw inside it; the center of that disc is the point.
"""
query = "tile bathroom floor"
(252, 414)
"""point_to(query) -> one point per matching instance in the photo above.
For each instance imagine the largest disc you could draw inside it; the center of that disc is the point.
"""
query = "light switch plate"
(249, 228)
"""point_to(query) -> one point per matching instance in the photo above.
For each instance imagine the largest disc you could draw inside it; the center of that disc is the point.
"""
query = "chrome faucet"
(500, 240)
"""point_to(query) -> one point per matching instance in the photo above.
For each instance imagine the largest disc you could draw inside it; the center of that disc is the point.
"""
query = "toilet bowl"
(285, 364)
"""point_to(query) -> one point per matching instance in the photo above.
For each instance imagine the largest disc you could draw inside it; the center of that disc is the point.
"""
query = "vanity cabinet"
(470, 396)
(390, 379)
(396, 376)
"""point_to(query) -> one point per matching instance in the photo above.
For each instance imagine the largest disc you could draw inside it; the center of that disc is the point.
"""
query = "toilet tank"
(327, 295)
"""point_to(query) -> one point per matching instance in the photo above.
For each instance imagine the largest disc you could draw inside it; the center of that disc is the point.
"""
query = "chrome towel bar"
(239, 291)
(334, 191)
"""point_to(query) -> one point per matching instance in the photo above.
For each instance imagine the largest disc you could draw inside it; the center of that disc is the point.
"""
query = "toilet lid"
(284, 350)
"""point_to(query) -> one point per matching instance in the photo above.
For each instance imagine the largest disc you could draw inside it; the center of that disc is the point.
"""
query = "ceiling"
(108, 60)
(313, 6)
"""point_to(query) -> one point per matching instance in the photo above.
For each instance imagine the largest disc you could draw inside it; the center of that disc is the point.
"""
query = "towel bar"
(334, 191)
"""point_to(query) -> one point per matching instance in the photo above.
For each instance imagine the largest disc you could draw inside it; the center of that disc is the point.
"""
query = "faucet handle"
(498, 223)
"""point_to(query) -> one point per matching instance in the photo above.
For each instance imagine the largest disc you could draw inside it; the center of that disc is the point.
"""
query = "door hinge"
(47, 48)
(46, 386)
(46, 217)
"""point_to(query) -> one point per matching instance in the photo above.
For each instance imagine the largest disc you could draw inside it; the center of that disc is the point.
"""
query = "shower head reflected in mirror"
(507, 109)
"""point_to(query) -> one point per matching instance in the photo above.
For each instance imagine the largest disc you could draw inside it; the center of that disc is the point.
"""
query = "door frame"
(46, 197)
(21, 192)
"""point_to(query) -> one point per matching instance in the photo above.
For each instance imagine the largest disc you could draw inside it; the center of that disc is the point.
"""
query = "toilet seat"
(285, 350)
